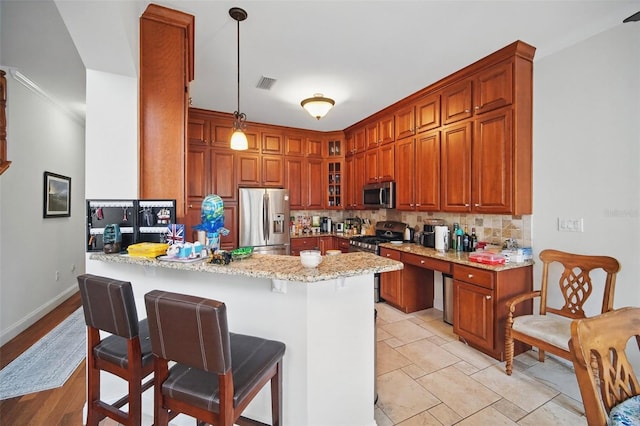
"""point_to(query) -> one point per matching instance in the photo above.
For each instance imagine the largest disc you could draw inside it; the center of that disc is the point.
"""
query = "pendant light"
(318, 106)
(238, 138)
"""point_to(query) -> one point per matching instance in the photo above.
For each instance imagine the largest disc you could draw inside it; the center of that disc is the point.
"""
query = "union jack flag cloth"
(175, 233)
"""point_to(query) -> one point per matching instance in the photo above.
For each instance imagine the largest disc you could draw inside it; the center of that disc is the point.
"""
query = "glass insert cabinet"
(334, 179)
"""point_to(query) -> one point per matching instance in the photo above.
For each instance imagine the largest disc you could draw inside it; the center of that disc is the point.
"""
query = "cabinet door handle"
(418, 205)
(469, 275)
(466, 110)
(477, 205)
(477, 107)
(422, 261)
(487, 297)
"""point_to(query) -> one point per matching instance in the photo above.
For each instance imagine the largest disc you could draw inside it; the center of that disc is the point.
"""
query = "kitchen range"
(386, 231)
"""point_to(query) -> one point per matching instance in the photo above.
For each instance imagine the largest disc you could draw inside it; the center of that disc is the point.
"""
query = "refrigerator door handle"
(265, 216)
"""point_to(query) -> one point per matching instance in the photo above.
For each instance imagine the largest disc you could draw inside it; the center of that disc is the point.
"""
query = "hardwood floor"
(61, 406)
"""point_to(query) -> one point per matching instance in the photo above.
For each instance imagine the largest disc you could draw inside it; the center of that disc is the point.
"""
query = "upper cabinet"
(166, 68)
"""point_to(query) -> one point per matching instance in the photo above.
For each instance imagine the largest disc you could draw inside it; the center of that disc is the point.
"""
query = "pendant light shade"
(238, 138)
(318, 106)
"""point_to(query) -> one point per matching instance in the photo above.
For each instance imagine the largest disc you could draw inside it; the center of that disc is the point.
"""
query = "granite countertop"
(452, 256)
(322, 234)
(273, 266)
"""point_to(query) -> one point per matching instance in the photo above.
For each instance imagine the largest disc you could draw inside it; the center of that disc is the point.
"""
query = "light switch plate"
(570, 224)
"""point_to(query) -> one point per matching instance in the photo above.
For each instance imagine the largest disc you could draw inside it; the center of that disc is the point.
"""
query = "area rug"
(49, 362)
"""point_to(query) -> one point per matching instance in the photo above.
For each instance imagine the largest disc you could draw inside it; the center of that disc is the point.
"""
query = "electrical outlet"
(570, 225)
(57, 275)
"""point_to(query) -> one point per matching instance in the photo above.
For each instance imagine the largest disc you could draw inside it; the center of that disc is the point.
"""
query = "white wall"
(586, 152)
(41, 137)
(112, 136)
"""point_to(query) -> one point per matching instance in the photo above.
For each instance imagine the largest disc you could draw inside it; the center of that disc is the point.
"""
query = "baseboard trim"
(30, 319)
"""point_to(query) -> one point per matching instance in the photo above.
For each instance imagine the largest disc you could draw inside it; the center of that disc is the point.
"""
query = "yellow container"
(151, 250)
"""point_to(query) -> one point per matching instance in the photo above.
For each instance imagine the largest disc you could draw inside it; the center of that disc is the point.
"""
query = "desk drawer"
(389, 254)
(480, 277)
(427, 262)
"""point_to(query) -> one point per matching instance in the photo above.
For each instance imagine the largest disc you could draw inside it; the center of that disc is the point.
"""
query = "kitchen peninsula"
(324, 315)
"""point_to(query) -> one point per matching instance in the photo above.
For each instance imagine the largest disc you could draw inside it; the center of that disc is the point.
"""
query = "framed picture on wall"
(57, 195)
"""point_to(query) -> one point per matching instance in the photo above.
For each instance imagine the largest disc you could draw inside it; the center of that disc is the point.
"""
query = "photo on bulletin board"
(57, 195)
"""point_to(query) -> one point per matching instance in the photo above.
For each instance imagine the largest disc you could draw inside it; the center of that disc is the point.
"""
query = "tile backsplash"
(494, 229)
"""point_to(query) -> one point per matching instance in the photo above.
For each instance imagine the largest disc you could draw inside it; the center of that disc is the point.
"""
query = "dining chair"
(609, 388)
(550, 329)
(215, 374)
(124, 351)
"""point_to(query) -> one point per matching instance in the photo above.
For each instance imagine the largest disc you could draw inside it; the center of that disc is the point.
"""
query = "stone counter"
(452, 256)
(272, 266)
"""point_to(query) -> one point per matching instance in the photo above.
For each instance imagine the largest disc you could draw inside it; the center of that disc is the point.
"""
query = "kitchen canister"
(442, 238)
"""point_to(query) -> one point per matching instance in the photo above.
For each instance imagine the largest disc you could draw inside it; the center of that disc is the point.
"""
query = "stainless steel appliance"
(263, 220)
(325, 224)
(386, 231)
(379, 195)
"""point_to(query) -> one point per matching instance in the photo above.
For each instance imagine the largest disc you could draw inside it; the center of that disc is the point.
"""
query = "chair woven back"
(575, 281)
(609, 379)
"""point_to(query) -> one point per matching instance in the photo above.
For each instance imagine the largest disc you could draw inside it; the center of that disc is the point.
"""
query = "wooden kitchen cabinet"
(223, 180)
(380, 164)
(354, 180)
(341, 244)
(272, 143)
(456, 101)
(391, 282)
(380, 132)
(479, 310)
(304, 243)
(418, 172)
(166, 68)
(294, 145)
(272, 171)
(303, 178)
(455, 174)
(410, 289)
(333, 180)
(249, 169)
(419, 117)
(325, 243)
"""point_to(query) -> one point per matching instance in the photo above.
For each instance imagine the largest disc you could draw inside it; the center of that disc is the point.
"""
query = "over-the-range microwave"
(379, 195)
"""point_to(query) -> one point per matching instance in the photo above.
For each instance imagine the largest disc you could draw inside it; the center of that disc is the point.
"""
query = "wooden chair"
(608, 385)
(550, 330)
(109, 306)
(216, 373)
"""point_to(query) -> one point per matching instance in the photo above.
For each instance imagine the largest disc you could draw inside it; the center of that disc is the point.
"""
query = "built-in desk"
(324, 315)
(480, 291)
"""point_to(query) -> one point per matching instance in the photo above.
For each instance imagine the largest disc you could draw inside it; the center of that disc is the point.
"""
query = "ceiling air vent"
(265, 83)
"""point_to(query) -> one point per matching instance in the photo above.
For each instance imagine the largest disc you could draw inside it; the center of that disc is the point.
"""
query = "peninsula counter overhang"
(273, 266)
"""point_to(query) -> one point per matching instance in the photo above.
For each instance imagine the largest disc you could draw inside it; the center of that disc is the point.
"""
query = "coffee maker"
(325, 224)
(429, 232)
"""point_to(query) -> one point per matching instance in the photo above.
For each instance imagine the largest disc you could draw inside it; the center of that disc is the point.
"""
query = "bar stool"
(109, 306)
(217, 373)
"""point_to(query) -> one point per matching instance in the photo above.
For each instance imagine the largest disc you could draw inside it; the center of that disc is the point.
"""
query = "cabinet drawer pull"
(388, 255)
(422, 261)
(469, 275)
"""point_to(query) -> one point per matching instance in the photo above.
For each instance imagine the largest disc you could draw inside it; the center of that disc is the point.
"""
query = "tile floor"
(425, 376)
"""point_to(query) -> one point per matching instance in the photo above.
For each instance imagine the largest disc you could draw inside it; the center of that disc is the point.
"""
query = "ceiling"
(364, 54)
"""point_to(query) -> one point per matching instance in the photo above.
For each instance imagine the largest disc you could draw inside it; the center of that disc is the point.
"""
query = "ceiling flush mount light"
(318, 106)
(238, 138)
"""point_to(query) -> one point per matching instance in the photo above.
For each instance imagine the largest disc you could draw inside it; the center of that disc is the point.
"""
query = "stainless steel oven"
(385, 231)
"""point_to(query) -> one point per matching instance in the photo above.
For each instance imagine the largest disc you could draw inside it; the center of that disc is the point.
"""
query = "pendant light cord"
(238, 32)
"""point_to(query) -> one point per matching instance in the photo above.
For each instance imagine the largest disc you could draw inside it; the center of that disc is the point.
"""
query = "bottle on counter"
(474, 240)
(454, 239)
(459, 239)
(466, 241)
(407, 235)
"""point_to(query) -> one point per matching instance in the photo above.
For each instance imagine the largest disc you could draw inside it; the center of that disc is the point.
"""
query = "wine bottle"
(474, 240)
(466, 241)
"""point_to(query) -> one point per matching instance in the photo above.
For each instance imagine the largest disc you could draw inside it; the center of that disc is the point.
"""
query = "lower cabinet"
(341, 244)
(410, 289)
(304, 243)
(479, 305)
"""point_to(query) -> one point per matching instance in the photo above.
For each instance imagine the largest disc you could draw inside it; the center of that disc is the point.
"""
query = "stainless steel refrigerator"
(263, 220)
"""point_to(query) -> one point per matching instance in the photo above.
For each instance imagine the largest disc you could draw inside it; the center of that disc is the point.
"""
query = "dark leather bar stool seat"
(109, 306)
(217, 373)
